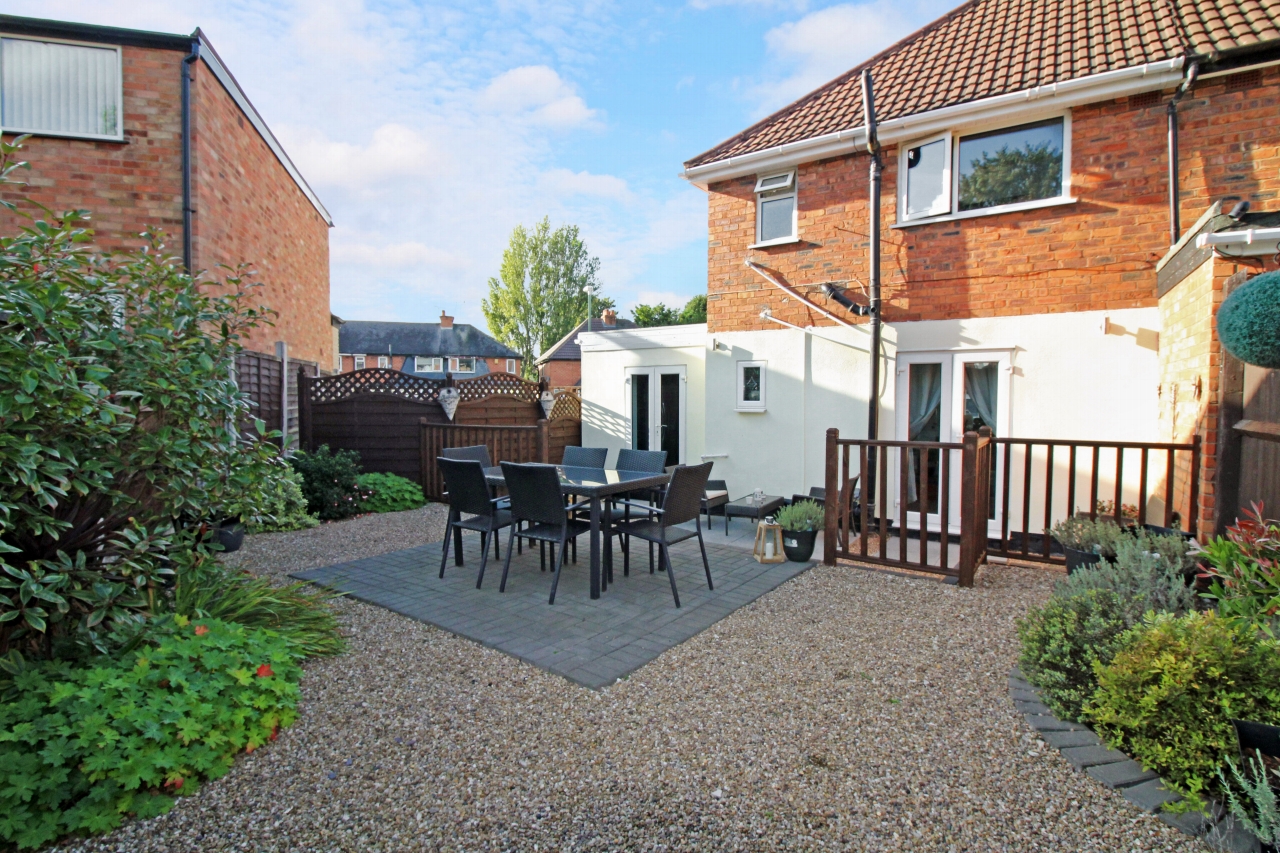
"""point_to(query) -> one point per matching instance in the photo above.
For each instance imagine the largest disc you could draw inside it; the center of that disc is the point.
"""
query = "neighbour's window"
(384, 361)
(928, 184)
(511, 365)
(776, 208)
(60, 89)
(358, 362)
(751, 386)
(426, 364)
(463, 364)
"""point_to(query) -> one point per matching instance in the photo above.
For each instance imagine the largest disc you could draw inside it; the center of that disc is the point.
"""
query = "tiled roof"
(566, 349)
(369, 337)
(991, 47)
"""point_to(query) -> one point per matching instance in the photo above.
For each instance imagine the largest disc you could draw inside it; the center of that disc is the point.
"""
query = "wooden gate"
(1260, 441)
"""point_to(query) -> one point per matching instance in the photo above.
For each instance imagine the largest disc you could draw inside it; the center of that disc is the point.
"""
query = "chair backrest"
(535, 492)
(585, 457)
(478, 452)
(819, 493)
(684, 494)
(717, 486)
(648, 461)
(465, 483)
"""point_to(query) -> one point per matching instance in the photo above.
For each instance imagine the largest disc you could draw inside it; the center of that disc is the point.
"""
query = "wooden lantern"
(768, 547)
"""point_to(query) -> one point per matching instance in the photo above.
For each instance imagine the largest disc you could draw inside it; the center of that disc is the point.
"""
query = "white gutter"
(810, 330)
(1047, 98)
(759, 270)
(1258, 241)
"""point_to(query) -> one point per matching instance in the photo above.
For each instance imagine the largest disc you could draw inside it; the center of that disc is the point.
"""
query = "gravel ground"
(846, 710)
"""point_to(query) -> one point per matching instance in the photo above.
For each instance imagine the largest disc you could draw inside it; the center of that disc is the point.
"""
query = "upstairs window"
(951, 174)
(60, 89)
(357, 362)
(511, 365)
(776, 208)
(423, 364)
(463, 364)
(384, 361)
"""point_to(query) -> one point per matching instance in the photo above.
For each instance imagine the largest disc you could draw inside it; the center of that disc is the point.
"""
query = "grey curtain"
(982, 382)
(925, 391)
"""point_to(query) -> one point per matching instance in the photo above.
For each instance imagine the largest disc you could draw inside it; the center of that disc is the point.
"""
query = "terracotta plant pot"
(798, 544)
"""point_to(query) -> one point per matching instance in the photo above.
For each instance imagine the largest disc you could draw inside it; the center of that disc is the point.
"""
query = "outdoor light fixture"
(449, 401)
(548, 401)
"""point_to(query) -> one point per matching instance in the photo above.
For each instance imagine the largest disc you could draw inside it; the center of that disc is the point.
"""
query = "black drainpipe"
(877, 166)
(187, 209)
(1175, 218)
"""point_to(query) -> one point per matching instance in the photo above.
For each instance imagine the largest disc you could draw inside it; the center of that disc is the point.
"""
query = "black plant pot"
(798, 544)
(230, 535)
(1078, 559)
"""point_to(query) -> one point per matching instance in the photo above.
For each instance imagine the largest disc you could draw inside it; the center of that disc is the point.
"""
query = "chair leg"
(575, 551)
(484, 554)
(506, 566)
(519, 539)
(705, 565)
(660, 568)
(555, 582)
(497, 555)
(626, 542)
(542, 554)
(671, 572)
(448, 531)
(457, 545)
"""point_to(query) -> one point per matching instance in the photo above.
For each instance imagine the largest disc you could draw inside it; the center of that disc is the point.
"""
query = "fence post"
(968, 508)
(282, 353)
(304, 410)
(833, 500)
(424, 458)
(1195, 484)
(544, 442)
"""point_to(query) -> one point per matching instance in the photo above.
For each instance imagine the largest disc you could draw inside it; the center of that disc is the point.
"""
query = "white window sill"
(781, 241)
(759, 410)
(989, 211)
(90, 137)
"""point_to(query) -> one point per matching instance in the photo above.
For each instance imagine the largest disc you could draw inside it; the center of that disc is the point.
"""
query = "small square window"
(463, 364)
(357, 362)
(751, 386)
(384, 361)
(776, 208)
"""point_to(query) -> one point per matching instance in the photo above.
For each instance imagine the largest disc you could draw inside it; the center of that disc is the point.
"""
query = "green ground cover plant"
(82, 748)
(282, 506)
(389, 493)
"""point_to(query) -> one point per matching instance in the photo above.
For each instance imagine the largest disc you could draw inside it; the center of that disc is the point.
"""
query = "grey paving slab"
(1044, 723)
(1121, 774)
(593, 643)
(1088, 756)
(1035, 707)
(1150, 796)
(1064, 739)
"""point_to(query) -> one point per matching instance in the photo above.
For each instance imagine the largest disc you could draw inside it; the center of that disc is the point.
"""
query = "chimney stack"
(446, 322)
(610, 318)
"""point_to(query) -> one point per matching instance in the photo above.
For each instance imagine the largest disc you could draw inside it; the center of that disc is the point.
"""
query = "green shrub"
(1143, 581)
(82, 748)
(282, 506)
(1244, 572)
(1168, 697)
(1083, 534)
(801, 515)
(1062, 641)
(1251, 796)
(329, 482)
(389, 493)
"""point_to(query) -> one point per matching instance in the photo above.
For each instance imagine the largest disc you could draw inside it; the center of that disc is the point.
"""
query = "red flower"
(175, 783)
(264, 671)
(201, 630)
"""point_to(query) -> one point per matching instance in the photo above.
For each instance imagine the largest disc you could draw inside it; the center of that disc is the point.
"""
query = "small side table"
(749, 507)
(768, 547)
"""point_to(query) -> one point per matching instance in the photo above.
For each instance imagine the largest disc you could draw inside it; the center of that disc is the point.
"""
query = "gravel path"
(845, 710)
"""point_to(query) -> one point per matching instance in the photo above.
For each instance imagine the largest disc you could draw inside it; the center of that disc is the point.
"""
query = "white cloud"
(409, 257)
(539, 92)
(567, 182)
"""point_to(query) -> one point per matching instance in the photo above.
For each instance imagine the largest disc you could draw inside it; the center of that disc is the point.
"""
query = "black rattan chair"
(715, 496)
(469, 495)
(536, 500)
(585, 457)
(477, 452)
(649, 462)
(682, 503)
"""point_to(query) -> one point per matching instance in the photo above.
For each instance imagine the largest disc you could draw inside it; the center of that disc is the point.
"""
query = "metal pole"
(1175, 213)
(877, 167)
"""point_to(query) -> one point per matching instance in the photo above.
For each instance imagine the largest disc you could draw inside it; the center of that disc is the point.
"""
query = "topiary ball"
(1249, 321)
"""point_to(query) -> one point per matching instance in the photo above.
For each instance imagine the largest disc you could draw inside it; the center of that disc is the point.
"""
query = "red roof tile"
(990, 47)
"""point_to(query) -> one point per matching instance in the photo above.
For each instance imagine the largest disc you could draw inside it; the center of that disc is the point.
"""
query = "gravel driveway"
(845, 710)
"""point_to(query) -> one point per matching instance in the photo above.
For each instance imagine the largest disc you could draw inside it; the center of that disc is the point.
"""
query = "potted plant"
(800, 523)
(1084, 541)
(1251, 786)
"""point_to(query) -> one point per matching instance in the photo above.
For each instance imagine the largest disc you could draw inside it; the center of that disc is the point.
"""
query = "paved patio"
(592, 643)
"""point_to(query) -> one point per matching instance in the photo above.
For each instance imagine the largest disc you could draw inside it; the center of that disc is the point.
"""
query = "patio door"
(656, 410)
(940, 396)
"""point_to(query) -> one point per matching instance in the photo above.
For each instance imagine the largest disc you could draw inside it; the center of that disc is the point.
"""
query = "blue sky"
(431, 129)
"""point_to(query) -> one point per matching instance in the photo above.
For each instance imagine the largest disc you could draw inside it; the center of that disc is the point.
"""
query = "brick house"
(151, 130)
(1027, 213)
(561, 364)
(424, 349)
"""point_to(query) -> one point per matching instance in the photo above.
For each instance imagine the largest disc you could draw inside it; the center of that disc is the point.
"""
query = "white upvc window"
(426, 364)
(61, 88)
(357, 362)
(384, 361)
(462, 364)
(777, 218)
(511, 365)
(752, 386)
(958, 175)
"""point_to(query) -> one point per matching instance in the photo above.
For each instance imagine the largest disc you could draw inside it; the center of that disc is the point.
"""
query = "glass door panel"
(924, 423)
(981, 408)
(640, 411)
(669, 417)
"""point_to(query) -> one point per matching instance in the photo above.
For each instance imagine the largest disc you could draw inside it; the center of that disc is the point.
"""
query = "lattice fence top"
(383, 380)
(567, 406)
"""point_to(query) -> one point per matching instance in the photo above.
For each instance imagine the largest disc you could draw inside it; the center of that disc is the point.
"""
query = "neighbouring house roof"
(374, 337)
(987, 48)
(566, 349)
(42, 28)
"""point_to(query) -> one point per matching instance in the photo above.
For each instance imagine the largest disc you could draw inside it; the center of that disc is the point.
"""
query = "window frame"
(953, 190)
(761, 405)
(435, 364)
(357, 362)
(384, 361)
(948, 181)
(511, 366)
(455, 364)
(790, 189)
(101, 137)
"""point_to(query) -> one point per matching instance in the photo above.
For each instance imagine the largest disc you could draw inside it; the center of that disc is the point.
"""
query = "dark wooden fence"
(382, 414)
(261, 376)
(1260, 441)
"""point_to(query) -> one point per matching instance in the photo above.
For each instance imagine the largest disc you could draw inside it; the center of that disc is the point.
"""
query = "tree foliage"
(694, 311)
(538, 296)
(1012, 175)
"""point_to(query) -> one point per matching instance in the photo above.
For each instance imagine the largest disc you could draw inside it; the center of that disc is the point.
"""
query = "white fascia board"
(1022, 105)
(1254, 241)
(657, 337)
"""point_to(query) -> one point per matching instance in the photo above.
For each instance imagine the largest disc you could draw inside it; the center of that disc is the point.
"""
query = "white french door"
(940, 396)
(656, 410)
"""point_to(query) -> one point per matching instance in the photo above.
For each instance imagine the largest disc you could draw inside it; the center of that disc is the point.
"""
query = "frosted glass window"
(63, 89)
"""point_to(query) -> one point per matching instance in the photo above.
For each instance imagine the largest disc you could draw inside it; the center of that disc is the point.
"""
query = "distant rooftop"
(567, 349)
(374, 337)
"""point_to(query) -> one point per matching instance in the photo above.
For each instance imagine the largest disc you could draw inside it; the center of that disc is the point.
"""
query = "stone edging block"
(1086, 752)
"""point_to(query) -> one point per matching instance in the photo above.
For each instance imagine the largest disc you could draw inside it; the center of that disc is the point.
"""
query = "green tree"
(694, 311)
(539, 295)
(1011, 176)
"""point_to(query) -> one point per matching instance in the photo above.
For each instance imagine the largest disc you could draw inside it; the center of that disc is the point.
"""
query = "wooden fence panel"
(505, 443)
(1260, 444)
(259, 376)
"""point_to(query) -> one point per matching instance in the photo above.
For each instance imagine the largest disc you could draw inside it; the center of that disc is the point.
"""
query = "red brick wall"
(249, 209)
(496, 365)
(561, 374)
(127, 186)
(1099, 253)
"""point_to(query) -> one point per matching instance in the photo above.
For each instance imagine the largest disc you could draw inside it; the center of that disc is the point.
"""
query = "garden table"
(750, 507)
(595, 484)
